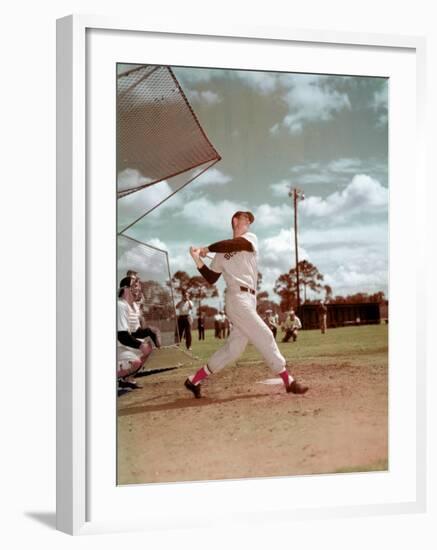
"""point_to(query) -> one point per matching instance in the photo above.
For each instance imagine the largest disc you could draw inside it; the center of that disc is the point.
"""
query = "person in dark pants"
(323, 315)
(217, 325)
(224, 324)
(184, 309)
(272, 322)
(201, 326)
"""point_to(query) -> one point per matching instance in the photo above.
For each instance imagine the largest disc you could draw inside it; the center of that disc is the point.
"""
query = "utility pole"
(297, 195)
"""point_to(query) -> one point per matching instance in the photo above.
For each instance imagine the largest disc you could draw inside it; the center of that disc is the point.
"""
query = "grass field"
(355, 341)
(245, 427)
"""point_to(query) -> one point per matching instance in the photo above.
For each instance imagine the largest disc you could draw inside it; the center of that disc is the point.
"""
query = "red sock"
(287, 379)
(200, 374)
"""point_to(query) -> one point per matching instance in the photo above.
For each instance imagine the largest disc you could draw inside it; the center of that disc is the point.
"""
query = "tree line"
(310, 278)
(311, 282)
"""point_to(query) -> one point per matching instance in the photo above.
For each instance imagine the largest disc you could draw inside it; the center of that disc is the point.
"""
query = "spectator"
(201, 325)
(272, 321)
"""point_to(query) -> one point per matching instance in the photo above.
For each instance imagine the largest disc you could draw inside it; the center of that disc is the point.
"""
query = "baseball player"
(272, 322)
(184, 309)
(323, 315)
(132, 351)
(290, 326)
(217, 325)
(236, 259)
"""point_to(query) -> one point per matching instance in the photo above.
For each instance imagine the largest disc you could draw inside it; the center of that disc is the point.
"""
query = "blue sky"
(327, 135)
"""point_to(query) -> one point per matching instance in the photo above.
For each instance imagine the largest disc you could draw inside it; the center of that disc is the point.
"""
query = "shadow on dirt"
(187, 403)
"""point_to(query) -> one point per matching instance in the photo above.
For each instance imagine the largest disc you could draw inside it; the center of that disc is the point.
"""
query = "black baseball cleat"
(295, 387)
(128, 385)
(195, 390)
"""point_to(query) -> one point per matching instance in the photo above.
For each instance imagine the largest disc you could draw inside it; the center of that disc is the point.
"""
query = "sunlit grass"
(335, 344)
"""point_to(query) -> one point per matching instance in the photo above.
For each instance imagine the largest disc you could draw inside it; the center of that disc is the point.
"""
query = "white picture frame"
(75, 233)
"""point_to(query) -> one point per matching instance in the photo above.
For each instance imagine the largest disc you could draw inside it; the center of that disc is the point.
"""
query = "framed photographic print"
(232, 279)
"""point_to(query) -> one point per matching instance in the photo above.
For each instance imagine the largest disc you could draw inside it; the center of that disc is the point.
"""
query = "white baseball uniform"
(240, 272)
(128, 320)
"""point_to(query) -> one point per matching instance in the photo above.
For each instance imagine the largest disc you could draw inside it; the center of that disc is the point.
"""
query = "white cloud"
(310, 101)
(362, 193)
(260, 81)
(278, 250)
(304, 167)
(382, 120)
(281, 189)
(180, 259)
(380, 99)
(380, 106)
(347, 268)
(347, 280)
(308, 98)
(277, 256)
(206, 213)
(263, 82)
(213, 176)
(205, 96)
(311, 178)
(150, 264)
(337, 171)
(270, 216)
(190, 76)
(136, 204)
(345, 165)
(356, 236)
(352, 259)
(130, 179)
(275, 129)
(157, 243)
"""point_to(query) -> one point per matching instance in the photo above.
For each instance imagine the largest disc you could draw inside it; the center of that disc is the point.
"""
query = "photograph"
(252, 273)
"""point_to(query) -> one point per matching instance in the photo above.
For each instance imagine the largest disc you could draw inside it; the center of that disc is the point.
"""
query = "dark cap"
(239, 212)
(126, 282)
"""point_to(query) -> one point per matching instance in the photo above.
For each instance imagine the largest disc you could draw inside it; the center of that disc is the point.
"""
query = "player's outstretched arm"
(238, 244)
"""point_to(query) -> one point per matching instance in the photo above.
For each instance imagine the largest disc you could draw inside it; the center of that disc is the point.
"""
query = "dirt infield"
(244, 427)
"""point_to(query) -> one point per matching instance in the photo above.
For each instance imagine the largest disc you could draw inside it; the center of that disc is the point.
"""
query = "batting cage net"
(158, 135)
(156, 300)
(161, 148)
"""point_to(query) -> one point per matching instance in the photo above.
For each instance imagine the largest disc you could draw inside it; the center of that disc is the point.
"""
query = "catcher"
(132, 350)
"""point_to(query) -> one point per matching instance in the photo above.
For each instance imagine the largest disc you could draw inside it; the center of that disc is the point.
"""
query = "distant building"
(344, 314)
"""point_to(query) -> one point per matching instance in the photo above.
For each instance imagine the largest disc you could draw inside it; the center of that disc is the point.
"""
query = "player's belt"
(245, 289)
